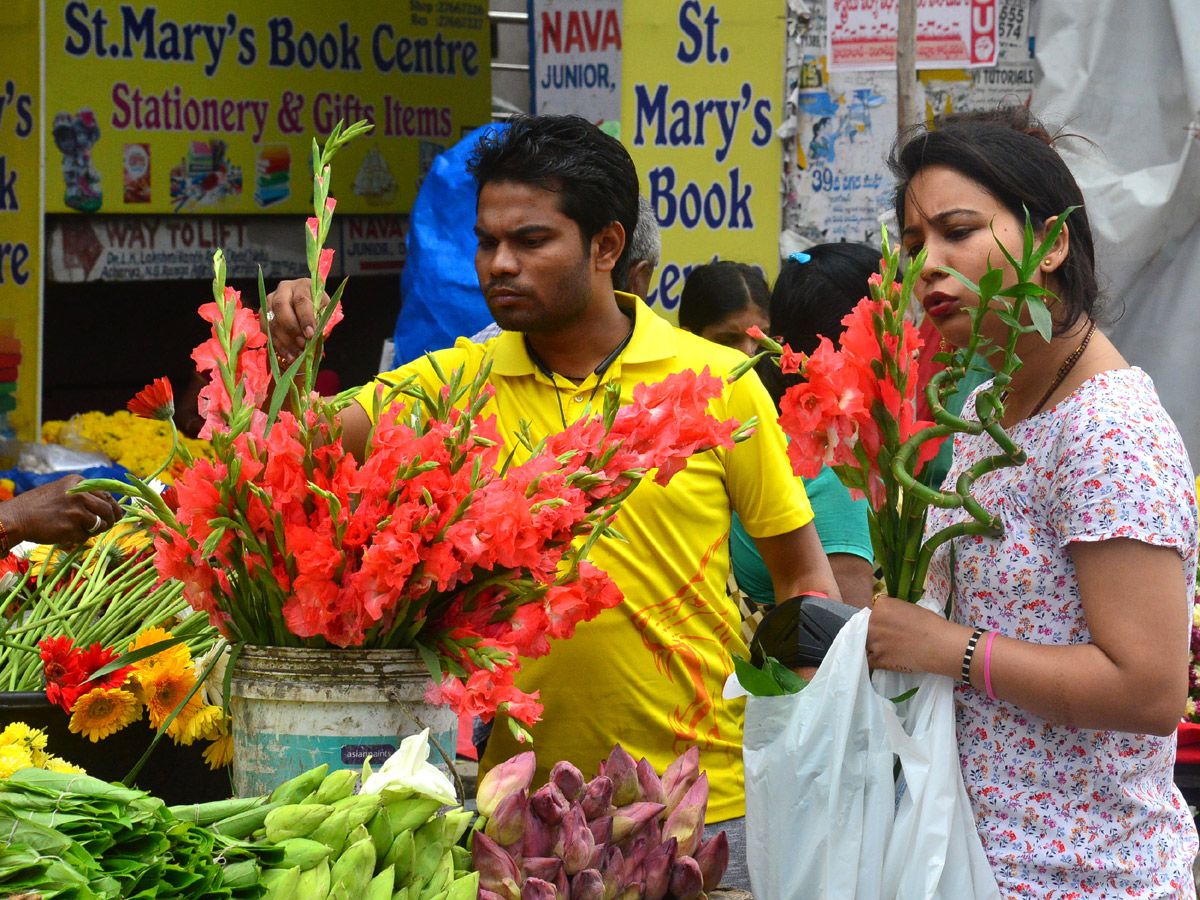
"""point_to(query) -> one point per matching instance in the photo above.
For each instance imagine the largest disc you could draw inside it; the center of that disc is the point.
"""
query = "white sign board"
(950, 34)
(576, 59)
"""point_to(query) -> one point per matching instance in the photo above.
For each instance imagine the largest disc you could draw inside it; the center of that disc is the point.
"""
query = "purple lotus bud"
(602, 829)
(497, 871)
(597, 796)
(511, 776)
(485, 894)
(587, 885)
(687, 820)
(563, 884)
(539, 838)
(507, 824)
(686, 881)
(680, 776)
(636, 851)
(575, 842)
(630, 819)
(713, 859)
(536, 889)
(622, 770)
(649, 784)
(657, 869)
(543, 867)
(568, 779)
(549, 804)
(612, 870)
(633, 891)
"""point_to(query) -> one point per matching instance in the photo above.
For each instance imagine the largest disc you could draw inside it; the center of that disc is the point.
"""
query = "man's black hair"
(591, 172)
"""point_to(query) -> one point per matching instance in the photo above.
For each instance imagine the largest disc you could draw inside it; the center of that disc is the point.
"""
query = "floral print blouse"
(1066, 812)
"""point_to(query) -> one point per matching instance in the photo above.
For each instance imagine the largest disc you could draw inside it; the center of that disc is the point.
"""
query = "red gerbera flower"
(154, 401)
(63, 667)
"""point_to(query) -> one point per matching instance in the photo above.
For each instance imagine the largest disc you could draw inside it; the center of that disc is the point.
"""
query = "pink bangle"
(987, 665)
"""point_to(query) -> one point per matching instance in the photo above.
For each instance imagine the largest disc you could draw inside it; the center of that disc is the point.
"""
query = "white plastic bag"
(825, 817)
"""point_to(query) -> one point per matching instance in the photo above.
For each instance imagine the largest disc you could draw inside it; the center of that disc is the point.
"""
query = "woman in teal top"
(724, 298)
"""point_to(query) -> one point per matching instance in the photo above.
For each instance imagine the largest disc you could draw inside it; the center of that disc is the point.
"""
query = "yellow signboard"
(210, 107)
(20, 220)
(702, 89)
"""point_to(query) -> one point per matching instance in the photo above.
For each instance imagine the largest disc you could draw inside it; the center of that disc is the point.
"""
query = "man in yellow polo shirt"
(556, 199)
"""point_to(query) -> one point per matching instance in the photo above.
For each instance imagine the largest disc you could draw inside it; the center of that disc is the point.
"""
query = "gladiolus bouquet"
(439, 540)
(855, 410)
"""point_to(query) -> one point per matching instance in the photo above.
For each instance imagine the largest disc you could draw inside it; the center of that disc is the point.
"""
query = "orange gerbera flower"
(101, 711)
(154, 401)
(165, 690)
(175, 659)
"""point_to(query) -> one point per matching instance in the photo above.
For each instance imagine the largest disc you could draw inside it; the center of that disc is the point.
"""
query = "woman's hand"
(904, 637)
(51, 515)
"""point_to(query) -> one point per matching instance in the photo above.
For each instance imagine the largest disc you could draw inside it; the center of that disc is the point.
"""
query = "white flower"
(408, 771)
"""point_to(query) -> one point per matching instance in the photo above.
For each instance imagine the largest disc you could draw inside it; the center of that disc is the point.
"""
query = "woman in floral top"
(1080, 612)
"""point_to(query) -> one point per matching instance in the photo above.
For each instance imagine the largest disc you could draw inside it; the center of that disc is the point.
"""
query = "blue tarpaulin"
(440, 297)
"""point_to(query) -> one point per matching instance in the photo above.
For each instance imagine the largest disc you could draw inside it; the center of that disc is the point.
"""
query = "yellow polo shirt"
(649, 673)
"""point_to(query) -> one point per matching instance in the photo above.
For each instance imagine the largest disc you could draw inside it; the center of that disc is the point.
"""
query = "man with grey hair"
(645, 250)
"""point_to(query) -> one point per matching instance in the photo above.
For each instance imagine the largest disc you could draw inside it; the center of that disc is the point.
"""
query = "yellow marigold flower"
(14, 757)
(24, 735)
(58, 764)
(1189, 710)
(175, 659)
(205, 724)
(165, 690)
(139, 444)
(100, 712)
(219, 752)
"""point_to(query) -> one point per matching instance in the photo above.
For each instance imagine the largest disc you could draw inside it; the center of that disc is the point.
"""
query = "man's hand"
(50, 515)
(290, 309)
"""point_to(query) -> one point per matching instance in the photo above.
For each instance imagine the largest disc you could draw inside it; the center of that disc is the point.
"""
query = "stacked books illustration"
(272, 175)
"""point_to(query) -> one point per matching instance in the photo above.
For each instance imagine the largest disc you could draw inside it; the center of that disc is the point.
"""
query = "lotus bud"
(568, 779)
(680, 776)
(686, 881)
(622, 770)
(563, 885)
(537, 889)
(543, 867)
(632, 892)
(497, 871)
(630, 819)
(575, 843)
(713, 859)
(538, 839)
(597, 796)
(636, 877)
(612, 870)
(602, 829)
(485, 894)
(649, 784)
(636, 851)
(687, 820)
(510, 777)
(587, 885)
(657, 869)
(507, 824)
(549, 803)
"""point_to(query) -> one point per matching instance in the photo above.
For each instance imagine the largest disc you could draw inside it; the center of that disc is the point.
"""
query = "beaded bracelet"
(966, 663)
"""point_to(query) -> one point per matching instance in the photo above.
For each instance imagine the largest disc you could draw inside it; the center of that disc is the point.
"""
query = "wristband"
(970, 652)
(987, 665)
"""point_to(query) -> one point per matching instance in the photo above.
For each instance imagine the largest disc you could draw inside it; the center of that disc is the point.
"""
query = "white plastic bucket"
(296, 708)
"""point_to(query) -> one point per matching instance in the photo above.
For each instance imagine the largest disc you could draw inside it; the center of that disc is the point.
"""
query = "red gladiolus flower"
(154, 401)
(324, 263)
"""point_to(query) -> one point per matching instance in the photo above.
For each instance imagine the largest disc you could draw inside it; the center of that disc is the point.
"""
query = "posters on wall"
(20, 222)
(950, 33)
(195, 108)
(842, 124)
(700, 109)
(575, 59)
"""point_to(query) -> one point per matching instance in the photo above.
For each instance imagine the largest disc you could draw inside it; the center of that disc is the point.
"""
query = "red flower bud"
(568, 778)
(713, 859)
(650, 785)
(511, 776)
(507, 824)
(602, 829)
(686, 881)
(539, 838)
(546, 868)
(587, 885)
(621, 768)
(549, 804)
(657, 869)
(497, 871)
(537, 889)
(612, 870)
(630, 819)
(680, 776)
(597, 796)
(575, 842)
(687, 821)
